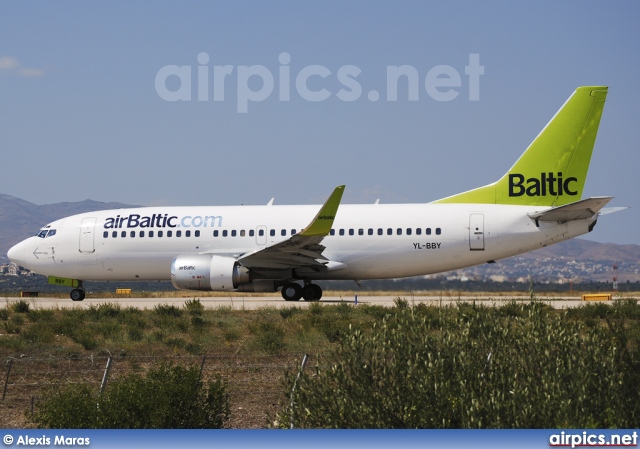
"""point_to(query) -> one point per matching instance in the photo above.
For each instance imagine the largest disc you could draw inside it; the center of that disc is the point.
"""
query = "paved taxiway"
(253, 302)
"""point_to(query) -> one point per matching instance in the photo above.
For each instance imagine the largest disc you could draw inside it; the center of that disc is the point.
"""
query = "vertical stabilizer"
(553, 170)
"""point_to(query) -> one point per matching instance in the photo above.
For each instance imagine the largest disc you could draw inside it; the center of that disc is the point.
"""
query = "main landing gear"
(293, 292)
(77, 294)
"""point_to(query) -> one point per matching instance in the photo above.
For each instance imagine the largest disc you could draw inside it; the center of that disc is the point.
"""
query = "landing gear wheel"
(77, 294)
(291, 292)
(311, 292)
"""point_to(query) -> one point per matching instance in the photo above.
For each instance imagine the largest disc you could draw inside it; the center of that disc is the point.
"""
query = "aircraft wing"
(302, 250)
(579, 210)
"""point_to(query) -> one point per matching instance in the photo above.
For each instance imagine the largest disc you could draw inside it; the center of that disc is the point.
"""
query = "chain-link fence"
(254, 381)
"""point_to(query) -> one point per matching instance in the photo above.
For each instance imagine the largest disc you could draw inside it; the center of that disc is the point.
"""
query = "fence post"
(302, 365)
(202, 366)
(6, 380)
(105, 376)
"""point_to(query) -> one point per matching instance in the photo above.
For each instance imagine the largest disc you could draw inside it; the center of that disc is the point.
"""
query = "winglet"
(321, 224)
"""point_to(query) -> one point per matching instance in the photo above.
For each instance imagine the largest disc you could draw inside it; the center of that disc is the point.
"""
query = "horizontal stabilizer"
(580, 210)
(610, 210)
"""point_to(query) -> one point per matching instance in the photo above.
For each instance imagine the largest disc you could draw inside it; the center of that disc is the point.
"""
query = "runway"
(257, 302)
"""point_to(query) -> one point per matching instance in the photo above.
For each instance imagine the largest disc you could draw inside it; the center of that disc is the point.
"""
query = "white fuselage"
(370, 241)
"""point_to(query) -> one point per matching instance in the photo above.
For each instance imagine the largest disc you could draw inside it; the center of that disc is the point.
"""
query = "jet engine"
(217, 273)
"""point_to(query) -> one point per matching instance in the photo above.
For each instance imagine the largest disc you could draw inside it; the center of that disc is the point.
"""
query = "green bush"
(168, 397)
(289, 312)
(269, 337)
(166, 310)
(39, 333)
(194, 307)
(21, 306)
(477, 367)
(199, 323)
(101, 311)
(400, 303)
(41, 315)
(86, 338)
(377, 312)
(134, 334)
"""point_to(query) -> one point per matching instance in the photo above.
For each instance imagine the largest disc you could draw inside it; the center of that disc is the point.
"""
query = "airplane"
(263, 248)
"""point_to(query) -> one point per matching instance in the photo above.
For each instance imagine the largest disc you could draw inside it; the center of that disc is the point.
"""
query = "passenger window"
(370, 231)
(428, 231)
(341, 231)
(224, 233)
(272, 232)
(283, 232)
(233, 233)
(123, 234)
(215, 233)
(178, 233)
(351, 232)
(293, 232)
(159, 233)
(197, 233)
(150, 233)
(169, 233)
(141, 233)
(418, 231)
(408, 231)
(188, 233)
(251, 233)
(132, 234)
(332, 232)
(261, 232)
(114, 234)
(399, 231)
(105, 234)
(242, 233)
(389, 231)
(438, 231)
(380, 231)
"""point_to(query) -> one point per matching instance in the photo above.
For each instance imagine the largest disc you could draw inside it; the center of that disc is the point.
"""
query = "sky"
(222, 103)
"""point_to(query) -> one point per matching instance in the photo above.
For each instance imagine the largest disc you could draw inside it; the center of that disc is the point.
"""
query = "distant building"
(11, 269)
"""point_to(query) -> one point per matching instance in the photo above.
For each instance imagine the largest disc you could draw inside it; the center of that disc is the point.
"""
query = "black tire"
(77, 294)
(312, 292)
(291, 292)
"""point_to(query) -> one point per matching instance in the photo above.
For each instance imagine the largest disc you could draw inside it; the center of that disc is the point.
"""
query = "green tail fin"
(553, 170)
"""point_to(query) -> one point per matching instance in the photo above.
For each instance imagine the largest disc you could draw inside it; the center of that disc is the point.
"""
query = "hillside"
(575, 260)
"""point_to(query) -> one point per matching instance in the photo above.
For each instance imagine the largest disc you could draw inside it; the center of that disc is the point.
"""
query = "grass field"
(43, 349)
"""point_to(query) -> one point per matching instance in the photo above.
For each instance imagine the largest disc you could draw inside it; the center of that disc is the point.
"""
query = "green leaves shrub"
(167, 397)
(472, 367)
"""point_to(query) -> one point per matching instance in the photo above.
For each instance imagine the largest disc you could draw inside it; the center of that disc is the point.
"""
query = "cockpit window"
(46, 232)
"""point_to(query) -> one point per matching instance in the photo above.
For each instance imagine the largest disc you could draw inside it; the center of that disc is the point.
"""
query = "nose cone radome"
(16, 254)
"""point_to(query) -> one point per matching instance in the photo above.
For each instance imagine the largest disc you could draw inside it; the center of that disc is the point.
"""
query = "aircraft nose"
(16, 253)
